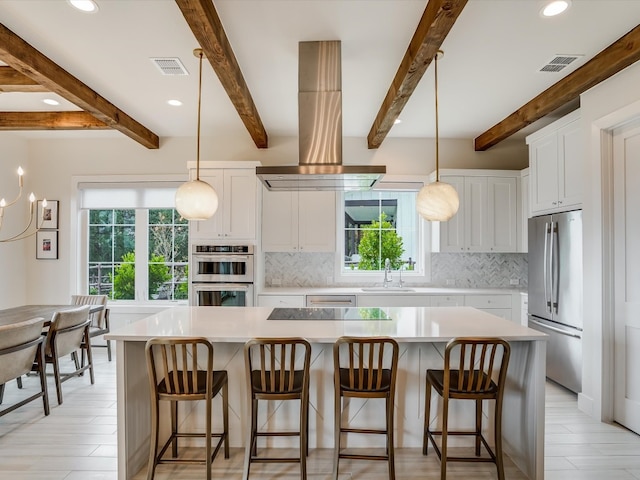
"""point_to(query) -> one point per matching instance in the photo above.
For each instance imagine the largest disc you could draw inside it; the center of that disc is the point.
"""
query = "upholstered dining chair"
(99, 320)
(20, 344)
(69, 333)
(474, 369)
(277, 369)
(366, 368)
(179, 372)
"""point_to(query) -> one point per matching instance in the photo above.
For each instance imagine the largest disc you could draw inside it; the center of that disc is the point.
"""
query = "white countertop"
(392, 290)
(407, 324)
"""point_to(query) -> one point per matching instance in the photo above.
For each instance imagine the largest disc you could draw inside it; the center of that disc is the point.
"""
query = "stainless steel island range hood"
(320, 129)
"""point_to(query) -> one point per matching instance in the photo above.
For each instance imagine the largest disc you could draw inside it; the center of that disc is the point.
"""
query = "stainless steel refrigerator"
(555, 292)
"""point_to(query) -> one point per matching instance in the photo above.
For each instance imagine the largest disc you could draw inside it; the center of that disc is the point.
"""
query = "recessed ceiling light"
(174, 103)
(51, 101)
(397, 121)
(555, 8)
(88, 6)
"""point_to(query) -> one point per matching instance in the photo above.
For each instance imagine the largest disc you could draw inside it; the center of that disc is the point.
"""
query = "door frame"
(602, 136)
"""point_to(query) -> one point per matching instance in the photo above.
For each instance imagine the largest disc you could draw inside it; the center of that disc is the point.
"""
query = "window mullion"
(142, 255)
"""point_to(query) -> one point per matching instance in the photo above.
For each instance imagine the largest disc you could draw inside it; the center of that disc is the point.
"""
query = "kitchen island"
(422, 333)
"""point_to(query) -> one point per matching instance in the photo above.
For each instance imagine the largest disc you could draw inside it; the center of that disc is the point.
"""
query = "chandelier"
(32, 225)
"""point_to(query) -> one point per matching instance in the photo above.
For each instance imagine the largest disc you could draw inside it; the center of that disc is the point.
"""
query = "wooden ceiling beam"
(17, 53)
(436, 22)
(207, 28)
(50, 121)
(617, 56)
(12, 81)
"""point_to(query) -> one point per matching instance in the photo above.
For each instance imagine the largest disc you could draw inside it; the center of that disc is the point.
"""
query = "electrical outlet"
(276, 282)
(514, 281)
(450, 281)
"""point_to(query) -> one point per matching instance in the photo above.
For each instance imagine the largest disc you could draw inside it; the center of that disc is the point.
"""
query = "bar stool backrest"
(365, 364)
(278, 365)
(476, 362)
(173, 364)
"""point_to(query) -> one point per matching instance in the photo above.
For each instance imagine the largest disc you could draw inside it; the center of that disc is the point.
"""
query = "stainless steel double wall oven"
(222, 275)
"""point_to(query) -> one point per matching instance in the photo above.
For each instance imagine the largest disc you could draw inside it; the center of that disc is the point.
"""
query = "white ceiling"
(490, 67)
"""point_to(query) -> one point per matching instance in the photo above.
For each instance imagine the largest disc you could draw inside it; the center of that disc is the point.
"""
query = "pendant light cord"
(435, 60)
(200, 54)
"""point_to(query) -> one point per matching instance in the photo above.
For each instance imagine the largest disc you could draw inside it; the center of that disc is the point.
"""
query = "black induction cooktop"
(311, 313)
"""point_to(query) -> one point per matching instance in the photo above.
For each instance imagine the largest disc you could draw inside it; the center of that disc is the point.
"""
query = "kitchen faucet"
(387, 273)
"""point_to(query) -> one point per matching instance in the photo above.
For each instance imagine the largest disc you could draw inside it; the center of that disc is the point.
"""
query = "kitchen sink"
(387, 289)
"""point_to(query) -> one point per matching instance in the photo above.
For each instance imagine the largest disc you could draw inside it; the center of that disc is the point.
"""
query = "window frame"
(399, 184)
(79, 237)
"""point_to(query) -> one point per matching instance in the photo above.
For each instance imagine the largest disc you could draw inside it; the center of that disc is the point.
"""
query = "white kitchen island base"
(422, 334)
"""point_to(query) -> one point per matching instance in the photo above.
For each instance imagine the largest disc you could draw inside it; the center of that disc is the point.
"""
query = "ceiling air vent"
(169, 66)
(559, 62)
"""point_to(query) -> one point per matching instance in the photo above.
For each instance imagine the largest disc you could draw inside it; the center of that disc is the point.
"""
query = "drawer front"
(393, 301)
(447, 300)
(281, 301)
(488, 301)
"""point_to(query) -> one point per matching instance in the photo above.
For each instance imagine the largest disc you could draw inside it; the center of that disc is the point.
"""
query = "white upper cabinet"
(487, 218)
(235, 218)
(555, 163)
(298, 221)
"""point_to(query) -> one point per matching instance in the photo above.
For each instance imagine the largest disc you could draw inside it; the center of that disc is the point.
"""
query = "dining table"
(25, 312)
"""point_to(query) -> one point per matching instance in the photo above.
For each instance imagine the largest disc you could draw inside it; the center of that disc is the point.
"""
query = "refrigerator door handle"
(546, 265)
(554, 266)
(554, 329)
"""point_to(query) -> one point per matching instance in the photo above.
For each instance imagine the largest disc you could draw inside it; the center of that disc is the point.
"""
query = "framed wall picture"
(47, 245)
(48, 216)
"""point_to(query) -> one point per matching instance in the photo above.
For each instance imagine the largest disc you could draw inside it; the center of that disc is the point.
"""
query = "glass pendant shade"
(196, 200)
(437, 202)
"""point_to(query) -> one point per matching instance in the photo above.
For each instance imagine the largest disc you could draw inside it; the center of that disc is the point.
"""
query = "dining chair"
(178, 373)
(478, 374)
(99, 320)
(277, 369)
(20, 344)
(366, 368)
(67, 334)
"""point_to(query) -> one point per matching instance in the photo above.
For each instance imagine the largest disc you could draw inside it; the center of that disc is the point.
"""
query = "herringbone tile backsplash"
(461, 270)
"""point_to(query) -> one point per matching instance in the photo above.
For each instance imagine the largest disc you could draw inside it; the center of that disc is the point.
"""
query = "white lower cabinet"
(393, 300)
(499, 305)
(284, 301)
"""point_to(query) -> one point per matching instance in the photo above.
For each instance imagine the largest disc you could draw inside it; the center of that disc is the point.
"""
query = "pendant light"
(438, 201)
(196, 199)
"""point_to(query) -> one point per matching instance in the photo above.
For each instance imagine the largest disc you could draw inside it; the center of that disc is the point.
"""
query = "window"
(115, 247)
(378, 225)
(136, 242)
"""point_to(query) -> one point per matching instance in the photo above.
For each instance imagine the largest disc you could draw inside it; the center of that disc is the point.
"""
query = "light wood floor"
(78, 442)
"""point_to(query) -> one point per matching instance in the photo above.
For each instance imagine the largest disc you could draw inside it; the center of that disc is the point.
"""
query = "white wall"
(13, 255)
(57, 160)
(605, 106)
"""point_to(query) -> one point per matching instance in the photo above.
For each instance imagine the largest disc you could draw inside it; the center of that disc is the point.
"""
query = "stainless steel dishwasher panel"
(323, 301)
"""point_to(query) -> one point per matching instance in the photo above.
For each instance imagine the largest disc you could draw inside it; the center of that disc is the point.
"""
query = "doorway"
(626, 275)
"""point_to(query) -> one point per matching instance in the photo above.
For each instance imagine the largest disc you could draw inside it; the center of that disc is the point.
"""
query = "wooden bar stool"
(174, 376)
(277, 369)
(480, 359)
(365, 368)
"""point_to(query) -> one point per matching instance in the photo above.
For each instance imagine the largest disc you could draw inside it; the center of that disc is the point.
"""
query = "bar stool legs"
(274, 372)
(470, 379)
(365, 368)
